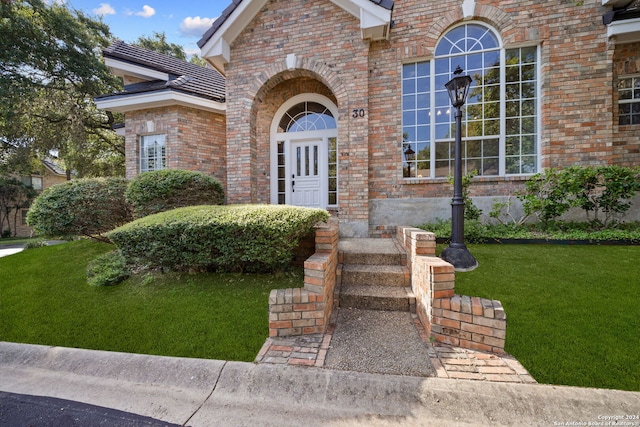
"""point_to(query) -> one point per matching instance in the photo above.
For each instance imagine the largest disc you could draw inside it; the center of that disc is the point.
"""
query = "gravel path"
(384, 342)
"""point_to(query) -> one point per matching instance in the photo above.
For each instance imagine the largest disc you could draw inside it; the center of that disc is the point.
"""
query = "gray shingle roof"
(183, 76)
(387, 4)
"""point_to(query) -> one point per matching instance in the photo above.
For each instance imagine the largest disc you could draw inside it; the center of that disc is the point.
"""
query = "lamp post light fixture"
(457, 253)
(410, 157)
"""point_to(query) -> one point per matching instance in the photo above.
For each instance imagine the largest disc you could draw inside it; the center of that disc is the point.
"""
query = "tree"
(157, 42)
(14, 196)
(49, 74)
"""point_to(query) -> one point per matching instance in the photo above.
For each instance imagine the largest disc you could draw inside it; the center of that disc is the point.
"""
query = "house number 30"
(355, 113)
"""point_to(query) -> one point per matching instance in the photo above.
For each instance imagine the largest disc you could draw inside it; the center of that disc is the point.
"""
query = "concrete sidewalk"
(200, 392)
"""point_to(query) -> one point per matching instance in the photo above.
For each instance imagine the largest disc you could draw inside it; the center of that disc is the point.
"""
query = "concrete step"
(376, 275)
(371, 252)
(385, 298)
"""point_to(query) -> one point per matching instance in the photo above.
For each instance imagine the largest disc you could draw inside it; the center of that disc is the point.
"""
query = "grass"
(573, 312)
(45, 299)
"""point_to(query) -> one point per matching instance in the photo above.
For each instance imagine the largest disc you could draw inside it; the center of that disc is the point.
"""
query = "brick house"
(341, 104)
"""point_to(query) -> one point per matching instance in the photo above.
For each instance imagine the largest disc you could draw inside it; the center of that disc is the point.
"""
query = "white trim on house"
(614, 3)
(625, 31)
(121, 69)
(375, 22)
(290, 138)
(139, 101)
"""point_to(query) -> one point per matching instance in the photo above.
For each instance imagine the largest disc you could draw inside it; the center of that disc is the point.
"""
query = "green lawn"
(573, 312)
(44, 299)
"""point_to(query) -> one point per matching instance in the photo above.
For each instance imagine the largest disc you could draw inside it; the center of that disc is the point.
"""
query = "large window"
(499, 132)
(152, 153)
(629, 100)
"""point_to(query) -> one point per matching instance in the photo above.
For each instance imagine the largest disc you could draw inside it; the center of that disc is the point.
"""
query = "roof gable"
(374, 16)
(160, 80)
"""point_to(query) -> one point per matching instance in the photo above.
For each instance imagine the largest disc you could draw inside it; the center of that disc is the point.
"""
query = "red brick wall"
(576, 90)
(576, 119)
(458, 320)
(329, 48)
(195, 139)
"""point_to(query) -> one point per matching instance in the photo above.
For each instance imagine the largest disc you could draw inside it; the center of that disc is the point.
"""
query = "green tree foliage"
(157, 42)
(159, 191)
(14, 196)
(87, 207)
(50, 71)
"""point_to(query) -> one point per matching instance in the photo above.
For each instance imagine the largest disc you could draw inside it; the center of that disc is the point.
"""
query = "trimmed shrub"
(108, 269)
(246, 238)
(88, 207)
(163, 190)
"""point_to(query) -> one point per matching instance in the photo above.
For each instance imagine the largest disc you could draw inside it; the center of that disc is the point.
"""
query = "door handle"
(293, 184)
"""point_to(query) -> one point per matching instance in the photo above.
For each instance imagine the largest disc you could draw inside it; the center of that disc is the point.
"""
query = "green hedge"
(88, 207)
(163, 190)
(247, 238)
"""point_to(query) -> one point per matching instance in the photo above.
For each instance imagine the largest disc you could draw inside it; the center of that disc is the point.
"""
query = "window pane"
(152, 152)
(494, 91)
(408, 102)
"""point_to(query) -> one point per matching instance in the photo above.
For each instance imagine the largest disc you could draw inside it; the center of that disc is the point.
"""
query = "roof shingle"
(184, 76)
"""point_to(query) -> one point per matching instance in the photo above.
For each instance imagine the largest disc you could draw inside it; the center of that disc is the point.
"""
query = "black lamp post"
(457, 253)
(409, 156)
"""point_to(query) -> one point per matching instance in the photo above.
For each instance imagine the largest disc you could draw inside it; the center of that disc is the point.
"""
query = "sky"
(183, 21)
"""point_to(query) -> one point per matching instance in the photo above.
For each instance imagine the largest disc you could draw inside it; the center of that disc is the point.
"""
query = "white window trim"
(140, 151)
(502, 136)
(626, 101)
(276, 136)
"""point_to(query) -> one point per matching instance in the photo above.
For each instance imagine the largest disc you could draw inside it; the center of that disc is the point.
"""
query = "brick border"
(458, 320)
(301, 311)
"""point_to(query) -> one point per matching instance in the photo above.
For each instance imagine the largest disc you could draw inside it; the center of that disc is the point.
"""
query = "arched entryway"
(304, 142)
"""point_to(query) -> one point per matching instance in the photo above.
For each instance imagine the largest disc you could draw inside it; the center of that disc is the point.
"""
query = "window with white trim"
(629, 100)
(500, 130)
(34, 182)
(152, 153)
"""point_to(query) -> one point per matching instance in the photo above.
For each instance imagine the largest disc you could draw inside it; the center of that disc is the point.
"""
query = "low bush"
(477, 232)
(88, 207)
(246, 238)
(602, 192)
(163, 190)
(107, 269)
(32, 244)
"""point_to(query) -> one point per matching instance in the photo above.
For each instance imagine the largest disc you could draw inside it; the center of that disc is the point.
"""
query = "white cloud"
(104, 9)
(146, 12)
(196, 26)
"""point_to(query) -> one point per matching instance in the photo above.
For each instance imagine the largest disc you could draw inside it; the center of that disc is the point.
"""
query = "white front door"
(307, 168)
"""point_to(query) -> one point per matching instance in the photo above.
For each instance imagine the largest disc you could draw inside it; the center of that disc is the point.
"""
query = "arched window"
(307, 116)
(499, 132)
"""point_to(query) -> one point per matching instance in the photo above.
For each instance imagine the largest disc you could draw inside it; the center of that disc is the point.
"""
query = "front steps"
(373, 275)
